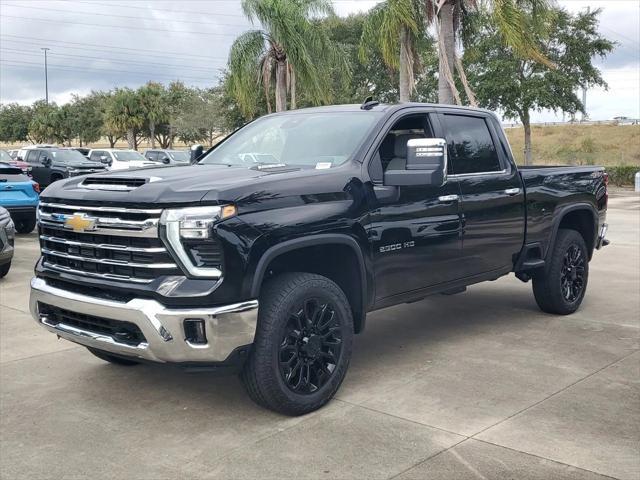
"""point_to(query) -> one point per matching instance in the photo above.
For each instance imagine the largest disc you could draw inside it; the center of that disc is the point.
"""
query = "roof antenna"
(369, 103)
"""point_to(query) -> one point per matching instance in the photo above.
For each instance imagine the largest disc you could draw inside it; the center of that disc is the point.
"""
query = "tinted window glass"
(470, 145)
(153, 156)
(32, 156)
(96, 154)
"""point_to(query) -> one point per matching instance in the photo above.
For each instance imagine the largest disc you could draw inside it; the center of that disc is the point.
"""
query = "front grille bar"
(103, 246)
(104, 276)
(106, 261)
(84, 208)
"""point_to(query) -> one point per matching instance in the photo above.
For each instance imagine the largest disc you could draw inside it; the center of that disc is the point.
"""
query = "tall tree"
(89, 117)
(504, 80)
(519, 23)
(124, 113)
(290, 46)
(393, 28)
(152, 98)
(44, 122)
(14, 122)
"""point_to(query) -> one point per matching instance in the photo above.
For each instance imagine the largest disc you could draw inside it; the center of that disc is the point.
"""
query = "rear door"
(492, 194)
(38, 170)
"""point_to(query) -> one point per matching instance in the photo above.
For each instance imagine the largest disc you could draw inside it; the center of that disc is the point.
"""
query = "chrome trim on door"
(448, 198)
(512, 191)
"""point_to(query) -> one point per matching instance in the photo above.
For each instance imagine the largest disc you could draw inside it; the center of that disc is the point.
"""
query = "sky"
(101, 44)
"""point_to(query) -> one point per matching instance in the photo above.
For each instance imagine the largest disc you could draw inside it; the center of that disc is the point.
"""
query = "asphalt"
(477, 385)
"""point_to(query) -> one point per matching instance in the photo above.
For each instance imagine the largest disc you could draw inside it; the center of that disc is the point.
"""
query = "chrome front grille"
(104, 242)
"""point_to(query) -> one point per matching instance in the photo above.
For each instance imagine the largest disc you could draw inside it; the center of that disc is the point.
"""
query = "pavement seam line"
(73, 347)
(428, 458)
(545, 458)
(563, 389)
(15, 309)
(402, 418)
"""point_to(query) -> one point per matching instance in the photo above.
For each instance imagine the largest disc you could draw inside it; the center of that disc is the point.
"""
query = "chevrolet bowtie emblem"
(79, 222)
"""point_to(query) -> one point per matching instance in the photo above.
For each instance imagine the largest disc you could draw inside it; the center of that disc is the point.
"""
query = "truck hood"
(166, 185)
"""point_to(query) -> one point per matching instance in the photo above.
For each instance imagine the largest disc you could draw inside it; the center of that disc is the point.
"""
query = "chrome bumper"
(227, 327)
(602, 241)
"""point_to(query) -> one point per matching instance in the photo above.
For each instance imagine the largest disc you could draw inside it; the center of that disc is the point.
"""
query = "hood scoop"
(122, 184)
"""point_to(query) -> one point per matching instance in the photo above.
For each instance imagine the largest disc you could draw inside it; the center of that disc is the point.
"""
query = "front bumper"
(227, 327)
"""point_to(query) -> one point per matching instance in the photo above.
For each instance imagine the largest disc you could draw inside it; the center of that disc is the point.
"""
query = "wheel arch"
(323, 254)
(582, 217)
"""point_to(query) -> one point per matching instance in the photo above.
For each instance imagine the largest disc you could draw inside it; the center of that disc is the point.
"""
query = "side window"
(153, 156)
(32, 156)
(393, 149)
(471, 147)
(42, 157)
(95, 155)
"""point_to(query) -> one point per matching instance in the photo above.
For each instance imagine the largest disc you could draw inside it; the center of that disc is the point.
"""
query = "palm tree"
(154, 107)
(519, 22)
(393, 28)
(291, 45)
(124, 114)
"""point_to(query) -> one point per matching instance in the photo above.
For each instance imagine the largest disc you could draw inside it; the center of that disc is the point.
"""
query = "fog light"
(194, 331)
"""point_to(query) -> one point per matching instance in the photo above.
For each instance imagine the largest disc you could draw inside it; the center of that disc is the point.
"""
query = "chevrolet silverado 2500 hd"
(271, 267)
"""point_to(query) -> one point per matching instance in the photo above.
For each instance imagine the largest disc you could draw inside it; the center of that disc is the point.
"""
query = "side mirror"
(195, 153)
(47, 161)
(426, 164)
(105, 159)
(165, 160)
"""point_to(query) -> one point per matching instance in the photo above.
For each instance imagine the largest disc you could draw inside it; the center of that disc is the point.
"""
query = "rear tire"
(303, 344)
(107, 357)
(4, 269)
(25, 225)
(561, 286)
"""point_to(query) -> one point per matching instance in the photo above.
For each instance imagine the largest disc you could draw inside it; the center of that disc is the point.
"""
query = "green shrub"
(622, 175)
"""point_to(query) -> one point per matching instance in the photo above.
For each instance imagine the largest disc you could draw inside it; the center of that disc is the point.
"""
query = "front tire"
(25, 225)
(303, 344)
(107, 357)
(560, 288)
(4, 269)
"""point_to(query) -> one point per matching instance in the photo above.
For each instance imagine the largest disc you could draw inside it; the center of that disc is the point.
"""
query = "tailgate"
(17, 194)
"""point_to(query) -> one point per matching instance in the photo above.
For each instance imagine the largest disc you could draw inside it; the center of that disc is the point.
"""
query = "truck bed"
(551, 190)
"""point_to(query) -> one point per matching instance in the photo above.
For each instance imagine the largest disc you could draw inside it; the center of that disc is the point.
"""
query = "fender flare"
(563, 213)
(308, 241)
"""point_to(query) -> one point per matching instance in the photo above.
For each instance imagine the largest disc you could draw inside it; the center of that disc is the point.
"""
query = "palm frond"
(246, 68)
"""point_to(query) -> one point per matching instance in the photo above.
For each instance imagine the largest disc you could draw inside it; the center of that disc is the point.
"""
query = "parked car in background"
(5, 157)
(168, 157)
(7, 238)
(22, 153)
(84, 151)
(51, 164)
(116, 159)
(19, 195)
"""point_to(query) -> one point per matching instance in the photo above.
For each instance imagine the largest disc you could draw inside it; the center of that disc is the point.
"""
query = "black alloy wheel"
(572, 274)
(311, 347)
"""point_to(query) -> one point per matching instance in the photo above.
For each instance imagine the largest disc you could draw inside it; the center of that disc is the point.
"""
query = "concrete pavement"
(477, 385)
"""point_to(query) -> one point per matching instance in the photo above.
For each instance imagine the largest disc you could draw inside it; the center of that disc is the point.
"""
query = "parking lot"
(477, 385)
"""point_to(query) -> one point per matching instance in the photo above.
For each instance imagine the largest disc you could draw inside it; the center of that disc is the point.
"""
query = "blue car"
(19, 195)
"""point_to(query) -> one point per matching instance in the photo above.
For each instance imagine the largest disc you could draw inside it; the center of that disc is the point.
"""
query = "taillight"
(36, 187)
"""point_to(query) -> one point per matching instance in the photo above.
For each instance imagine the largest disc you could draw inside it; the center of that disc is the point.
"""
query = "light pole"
(46, 76)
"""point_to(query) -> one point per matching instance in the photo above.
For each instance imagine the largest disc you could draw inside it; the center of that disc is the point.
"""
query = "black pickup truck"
(271, 267)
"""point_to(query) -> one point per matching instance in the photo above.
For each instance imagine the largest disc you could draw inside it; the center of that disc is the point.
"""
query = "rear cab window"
(471, 146)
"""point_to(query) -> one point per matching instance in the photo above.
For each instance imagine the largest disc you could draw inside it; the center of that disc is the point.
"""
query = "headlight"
(193, 224)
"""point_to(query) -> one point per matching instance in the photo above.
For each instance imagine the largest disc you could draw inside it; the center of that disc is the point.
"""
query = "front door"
(492, 193)
(416, 237)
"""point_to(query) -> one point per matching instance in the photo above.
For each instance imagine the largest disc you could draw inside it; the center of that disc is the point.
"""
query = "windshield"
(321, 140)
(67, 156)
(179, 156)
(128, 156)
(5, 157)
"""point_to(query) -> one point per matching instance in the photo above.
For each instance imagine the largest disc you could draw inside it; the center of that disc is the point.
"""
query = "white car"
(116, 159)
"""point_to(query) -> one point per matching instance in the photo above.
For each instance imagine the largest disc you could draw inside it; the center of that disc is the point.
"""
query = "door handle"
(512, 191)
(448, 198)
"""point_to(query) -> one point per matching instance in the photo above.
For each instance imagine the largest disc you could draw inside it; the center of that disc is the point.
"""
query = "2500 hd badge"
(397, 246)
